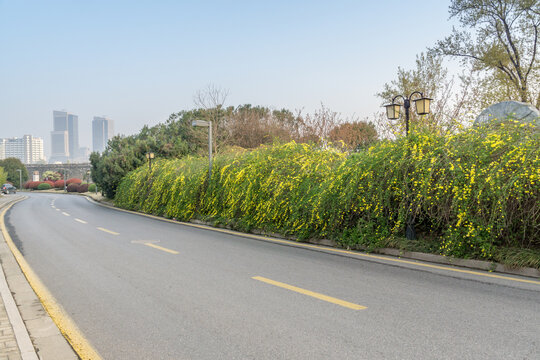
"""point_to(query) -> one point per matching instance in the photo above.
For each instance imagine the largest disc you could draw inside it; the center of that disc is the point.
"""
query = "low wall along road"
(73, 170)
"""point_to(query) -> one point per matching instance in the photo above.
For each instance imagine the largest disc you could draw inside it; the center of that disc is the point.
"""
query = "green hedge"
(470, 194)
(44, 186)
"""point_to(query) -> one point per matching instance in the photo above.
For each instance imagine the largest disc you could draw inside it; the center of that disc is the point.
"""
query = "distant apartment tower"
(28, 149)
(102, 131)
(59, 147)
(64, 137)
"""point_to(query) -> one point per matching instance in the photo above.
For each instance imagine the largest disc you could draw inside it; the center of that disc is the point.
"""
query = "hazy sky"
(138, 61)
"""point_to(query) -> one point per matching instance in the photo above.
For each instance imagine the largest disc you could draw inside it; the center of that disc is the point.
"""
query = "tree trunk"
(523, 93)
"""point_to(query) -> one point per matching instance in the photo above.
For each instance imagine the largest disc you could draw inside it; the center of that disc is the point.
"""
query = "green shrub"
(44, 186)
(469, 194)
(92, 187)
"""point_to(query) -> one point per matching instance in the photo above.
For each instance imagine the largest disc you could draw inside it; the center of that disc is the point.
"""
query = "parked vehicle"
(9, 189)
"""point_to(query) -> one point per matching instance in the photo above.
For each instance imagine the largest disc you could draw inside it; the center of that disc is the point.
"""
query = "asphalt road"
(140, 288)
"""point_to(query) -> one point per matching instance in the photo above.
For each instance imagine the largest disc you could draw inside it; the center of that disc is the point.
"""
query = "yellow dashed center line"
(108, 231)
(311, 293)
(65, 214)
(161, 248)
(81, 221)
(334, 250)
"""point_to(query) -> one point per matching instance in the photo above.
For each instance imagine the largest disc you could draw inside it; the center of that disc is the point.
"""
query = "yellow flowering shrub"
(469, 194)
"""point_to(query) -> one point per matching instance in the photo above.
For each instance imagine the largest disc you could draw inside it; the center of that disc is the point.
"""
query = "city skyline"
(284, 54)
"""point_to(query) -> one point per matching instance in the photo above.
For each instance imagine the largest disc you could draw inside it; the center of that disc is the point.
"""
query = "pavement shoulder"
(36, 335)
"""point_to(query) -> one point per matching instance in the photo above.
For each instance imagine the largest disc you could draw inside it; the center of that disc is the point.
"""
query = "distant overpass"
(73, 170)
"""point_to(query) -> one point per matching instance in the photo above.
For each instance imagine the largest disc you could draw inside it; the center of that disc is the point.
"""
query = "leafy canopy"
(501, 38)
(11, 165)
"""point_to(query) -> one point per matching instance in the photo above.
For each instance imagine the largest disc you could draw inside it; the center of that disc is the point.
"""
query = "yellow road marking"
(81, 221)
(161, 248)
(65, 324)
(65, 213)
(328, 249)
(108, 231)
(327, 298)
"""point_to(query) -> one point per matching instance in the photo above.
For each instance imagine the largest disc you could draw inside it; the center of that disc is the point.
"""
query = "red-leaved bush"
(83, 188)
(73, 187)
(59, 184)
(33, 184)
(49, 182)
(74, 181)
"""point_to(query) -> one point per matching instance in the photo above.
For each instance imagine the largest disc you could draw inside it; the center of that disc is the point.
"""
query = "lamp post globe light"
(150, 156)
(422, 105)
(208, 124)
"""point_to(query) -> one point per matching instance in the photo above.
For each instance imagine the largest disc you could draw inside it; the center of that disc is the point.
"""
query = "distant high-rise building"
(59, 147)
(28, 149)
(2, 149)
(64, 148)
(102, 131)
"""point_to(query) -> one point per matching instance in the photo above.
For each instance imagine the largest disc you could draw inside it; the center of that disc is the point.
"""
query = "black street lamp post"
(393, 112)
(422, 107)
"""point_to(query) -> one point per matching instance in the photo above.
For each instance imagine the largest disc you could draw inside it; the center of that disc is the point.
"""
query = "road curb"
(431, 258)
(46, 337)
(24, 343)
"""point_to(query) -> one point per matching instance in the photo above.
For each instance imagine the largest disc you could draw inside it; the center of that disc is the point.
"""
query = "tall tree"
(211, 104)
(3, 176)
(11, 165)
(501, 37)
(174, 138)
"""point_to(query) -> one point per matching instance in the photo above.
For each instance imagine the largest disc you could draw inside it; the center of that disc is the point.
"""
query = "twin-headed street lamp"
(422, 107)
(392, 112)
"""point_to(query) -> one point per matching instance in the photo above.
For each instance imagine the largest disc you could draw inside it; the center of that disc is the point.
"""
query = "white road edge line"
(19, 329)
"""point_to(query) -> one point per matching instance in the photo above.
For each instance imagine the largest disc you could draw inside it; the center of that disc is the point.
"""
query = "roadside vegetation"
(242, 127)
(475, 194)
(472, 192)
(3, 176)
(71, 185)
(10, 166)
